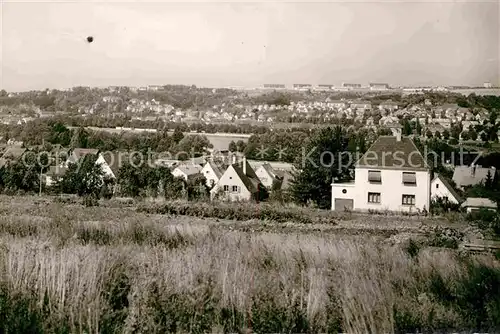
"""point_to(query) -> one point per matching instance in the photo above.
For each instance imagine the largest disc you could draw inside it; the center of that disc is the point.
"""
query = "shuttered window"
(409, 178)
(374, 176)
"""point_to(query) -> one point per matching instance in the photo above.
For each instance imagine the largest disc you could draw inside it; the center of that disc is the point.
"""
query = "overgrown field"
(68, 268)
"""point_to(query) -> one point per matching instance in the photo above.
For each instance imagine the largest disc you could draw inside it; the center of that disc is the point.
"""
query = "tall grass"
(119, 273)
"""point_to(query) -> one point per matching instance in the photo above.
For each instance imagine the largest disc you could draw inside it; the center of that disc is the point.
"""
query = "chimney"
(244, 165)
(234, 158)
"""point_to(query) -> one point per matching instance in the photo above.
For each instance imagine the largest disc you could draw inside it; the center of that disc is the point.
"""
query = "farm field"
(111, 268)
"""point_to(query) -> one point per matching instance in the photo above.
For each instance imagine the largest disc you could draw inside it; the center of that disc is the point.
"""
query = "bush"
(90, 200)
(482, 215)
(234, 211)
(476, 296)
(413, 248)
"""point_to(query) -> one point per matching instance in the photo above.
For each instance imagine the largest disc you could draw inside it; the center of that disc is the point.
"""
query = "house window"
(437, 185)
(409, 178)
(235, 189)
(408, 200)
(226, 188)
(374, 176)
(373, 197)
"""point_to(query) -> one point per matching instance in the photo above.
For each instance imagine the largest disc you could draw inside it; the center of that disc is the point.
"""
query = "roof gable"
(115, 160)
(189, 170)
(387, 152)
(215, 169)
(448, 187)
(82, 152)
(250, 179)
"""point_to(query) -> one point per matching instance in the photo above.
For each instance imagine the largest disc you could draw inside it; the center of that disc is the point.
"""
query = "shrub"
(476, 296)
(242, 212)
(482, 215)
(412, 248)
(90, 200)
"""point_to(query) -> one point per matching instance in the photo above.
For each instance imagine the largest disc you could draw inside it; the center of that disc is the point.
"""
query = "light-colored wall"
(350, 193)
(231, 178)
(264, 177)
(178, 173)
(104, 166)
(391, 190)
(209, 174)
(441, 191)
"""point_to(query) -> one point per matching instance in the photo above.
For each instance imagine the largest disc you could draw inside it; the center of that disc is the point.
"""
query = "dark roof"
(449, 187)
(81, 152)
(269, 169)
(250, 179)
(387, 152)
(216, 169)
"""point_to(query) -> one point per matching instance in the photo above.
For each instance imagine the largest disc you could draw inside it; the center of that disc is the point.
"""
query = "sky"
(214, 44)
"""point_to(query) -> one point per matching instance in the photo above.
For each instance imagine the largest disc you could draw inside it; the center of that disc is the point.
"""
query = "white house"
(79, 153)
(238, 183)
(266, 174)
(186, 171)
(212, 173)
(440, 188)
(392, 175)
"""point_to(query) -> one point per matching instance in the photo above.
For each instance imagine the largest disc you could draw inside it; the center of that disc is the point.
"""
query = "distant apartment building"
(274, 86)
(302, 86)
(488, 85)
(379, 86)
(324, 87)
(155, 87)
(351, 85)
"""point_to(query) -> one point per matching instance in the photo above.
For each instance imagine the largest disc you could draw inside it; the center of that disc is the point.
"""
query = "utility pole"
(40, 191)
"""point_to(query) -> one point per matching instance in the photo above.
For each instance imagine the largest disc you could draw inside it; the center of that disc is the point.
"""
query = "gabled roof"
(82, 152)
(448, 186)
(250, 179)
(215, 168)
(468, 176)
(387, 152)
(477, 202)
(269, 169)
(189, 169)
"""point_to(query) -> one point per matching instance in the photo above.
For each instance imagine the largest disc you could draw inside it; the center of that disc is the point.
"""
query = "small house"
(441, 188)
(186, 171)
(238, 183)
(476, 203)
(212, 173)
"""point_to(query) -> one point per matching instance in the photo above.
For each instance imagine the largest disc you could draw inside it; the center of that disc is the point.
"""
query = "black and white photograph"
(249, 166)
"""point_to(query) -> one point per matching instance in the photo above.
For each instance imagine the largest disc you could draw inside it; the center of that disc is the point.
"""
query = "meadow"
(115, 269)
